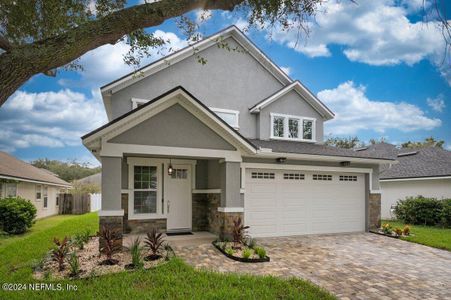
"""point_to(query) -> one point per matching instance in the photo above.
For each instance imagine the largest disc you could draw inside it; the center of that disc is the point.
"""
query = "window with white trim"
(231, 117)
(38, 192)
(348, 178)
(46, 196)
(292, 127)
(145, 190)
(10, 189)
(322, 177)
(262, 175)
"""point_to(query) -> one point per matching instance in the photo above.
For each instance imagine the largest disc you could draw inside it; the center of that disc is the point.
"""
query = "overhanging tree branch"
(4, 43)
(20, 63)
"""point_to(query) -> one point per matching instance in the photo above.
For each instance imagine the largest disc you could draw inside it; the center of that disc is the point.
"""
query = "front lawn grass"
(173, 280)
(426, 235)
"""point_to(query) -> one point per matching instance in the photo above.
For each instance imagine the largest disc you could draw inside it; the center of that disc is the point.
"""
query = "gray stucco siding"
(289, 104)
(229, 80)
(173, 127)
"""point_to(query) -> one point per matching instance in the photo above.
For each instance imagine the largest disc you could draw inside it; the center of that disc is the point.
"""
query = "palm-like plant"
(154, 241)
(109, 245)
(238, 232)
(60, 251)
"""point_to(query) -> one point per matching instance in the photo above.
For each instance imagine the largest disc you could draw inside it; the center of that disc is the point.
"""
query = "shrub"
(419, 210)
(81, 238)
(74, 264)
(59, 252)
(445, 215)
(109, 245)
(386, 228)
(239, 232)
(135, 252)
(398, 231)
(16, 215)
(406, 230)
(260, 251)
(229, 251)
(247, 253)
(154, 241)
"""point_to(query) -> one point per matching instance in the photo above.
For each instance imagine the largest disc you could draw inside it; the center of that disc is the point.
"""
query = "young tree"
(39, 36)
(428, 142)
(344, 142)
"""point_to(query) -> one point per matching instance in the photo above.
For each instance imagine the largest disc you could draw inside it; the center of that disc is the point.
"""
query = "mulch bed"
(238, 257)
(91, 263)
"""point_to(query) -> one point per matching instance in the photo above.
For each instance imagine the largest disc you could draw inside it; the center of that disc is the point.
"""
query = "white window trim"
(36, 192)
(228, 111)
(46, 195)
(131, 203)
(137, 101)
(286, 129)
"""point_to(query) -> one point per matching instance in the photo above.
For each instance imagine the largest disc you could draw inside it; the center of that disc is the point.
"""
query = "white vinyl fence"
(96, 200)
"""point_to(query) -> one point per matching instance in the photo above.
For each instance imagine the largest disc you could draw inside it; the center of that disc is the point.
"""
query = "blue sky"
(377, 65)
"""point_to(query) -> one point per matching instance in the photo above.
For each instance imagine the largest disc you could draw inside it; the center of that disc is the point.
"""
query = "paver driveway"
(354, 266)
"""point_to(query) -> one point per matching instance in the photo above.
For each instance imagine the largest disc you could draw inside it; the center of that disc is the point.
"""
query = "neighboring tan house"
(95, 198)
(191, 147)
(420, 171)
(41, 187)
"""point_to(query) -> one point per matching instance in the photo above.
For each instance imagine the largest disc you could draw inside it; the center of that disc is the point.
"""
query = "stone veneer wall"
(200, 212)
(139, 226)
(374, 214)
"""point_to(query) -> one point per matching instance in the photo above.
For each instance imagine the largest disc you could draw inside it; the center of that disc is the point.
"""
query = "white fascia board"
(303, 92)
(196, 48)
(35, 181)
(414, 178)
(299, 156)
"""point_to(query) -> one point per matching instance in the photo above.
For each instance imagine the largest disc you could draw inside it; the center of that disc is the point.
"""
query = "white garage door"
(281, 202)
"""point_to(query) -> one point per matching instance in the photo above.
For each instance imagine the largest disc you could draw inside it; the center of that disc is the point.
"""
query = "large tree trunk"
(20, 63)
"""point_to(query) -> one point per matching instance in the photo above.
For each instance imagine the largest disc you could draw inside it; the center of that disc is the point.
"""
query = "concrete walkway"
(352, 266)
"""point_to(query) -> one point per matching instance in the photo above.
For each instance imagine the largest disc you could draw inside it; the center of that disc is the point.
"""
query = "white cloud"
(372, 32)
(437, 103)
(287, 70)
(355, 112)
(49, 119)
(106, 63)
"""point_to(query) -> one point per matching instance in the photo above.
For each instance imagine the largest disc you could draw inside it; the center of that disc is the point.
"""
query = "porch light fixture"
(281, 160)
(170, 169)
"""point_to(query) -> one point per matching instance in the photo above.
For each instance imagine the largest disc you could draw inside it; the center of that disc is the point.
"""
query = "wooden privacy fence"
(74, 204)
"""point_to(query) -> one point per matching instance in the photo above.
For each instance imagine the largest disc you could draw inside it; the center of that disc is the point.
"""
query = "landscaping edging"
(383, 234)
(241, 259)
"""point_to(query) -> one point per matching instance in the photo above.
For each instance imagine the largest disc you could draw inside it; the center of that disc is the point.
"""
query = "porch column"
(232, 206)
(111, 213)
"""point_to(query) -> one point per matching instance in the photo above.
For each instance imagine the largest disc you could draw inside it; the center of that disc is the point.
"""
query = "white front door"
(178, 198)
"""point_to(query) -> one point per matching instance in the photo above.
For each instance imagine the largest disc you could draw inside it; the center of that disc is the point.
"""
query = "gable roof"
(13, 168)
(297, 86)
(427, 162)
(139, 114)
(164, 62)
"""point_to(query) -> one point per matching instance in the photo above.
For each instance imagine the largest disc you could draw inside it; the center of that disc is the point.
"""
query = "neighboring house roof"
(315, 149)
(188, 51)
(302, 91)
(138, 114)
(427, 162)
(13, 168)
(92, 179)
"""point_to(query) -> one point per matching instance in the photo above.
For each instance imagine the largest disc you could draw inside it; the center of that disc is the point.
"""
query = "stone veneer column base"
(374, 213)
(114, 224)
(226, 223)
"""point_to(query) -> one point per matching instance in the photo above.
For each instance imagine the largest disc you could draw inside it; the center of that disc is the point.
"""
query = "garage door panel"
(277, 207)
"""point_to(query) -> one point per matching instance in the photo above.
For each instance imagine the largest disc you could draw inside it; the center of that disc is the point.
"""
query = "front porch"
(170, 194)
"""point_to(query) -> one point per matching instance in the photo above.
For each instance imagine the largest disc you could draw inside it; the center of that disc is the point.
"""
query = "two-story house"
(191, 146)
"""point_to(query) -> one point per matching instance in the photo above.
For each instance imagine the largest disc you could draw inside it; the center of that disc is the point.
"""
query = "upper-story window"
(228, 115)
(292, 127)
(136, 102)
